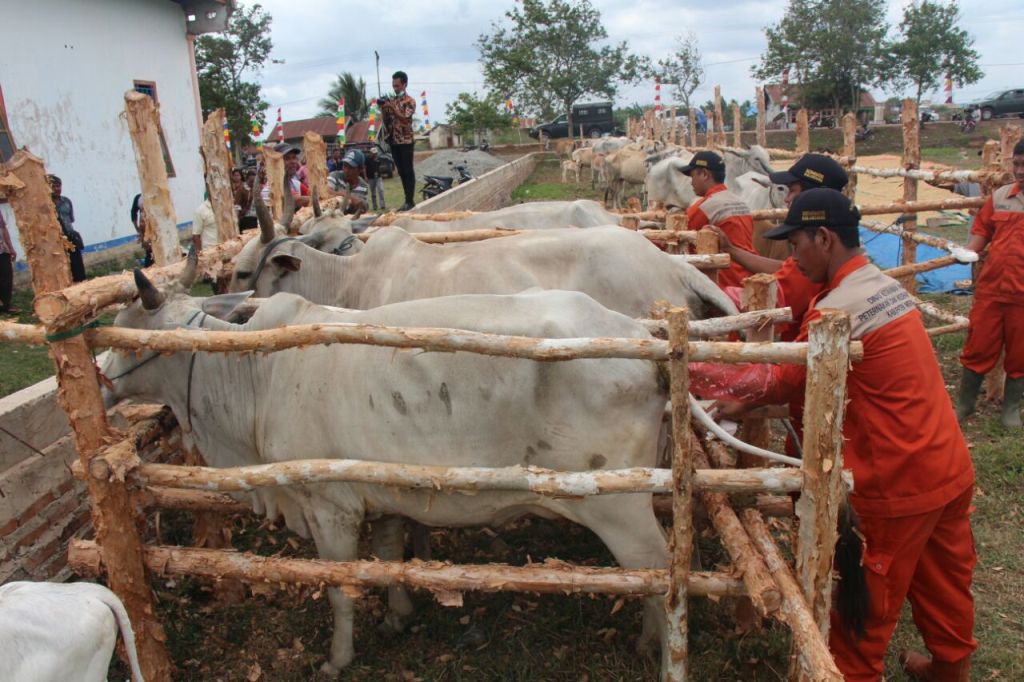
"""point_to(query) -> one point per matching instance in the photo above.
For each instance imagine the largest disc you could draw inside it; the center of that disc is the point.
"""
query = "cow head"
(776, 193)
(148, 375)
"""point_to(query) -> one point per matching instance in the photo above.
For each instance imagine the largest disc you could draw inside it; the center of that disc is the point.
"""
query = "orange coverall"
(724, 209)
(797, 293)
(997, 316)
(912, 471)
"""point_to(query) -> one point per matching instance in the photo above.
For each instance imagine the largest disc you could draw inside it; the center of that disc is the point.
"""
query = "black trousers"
(77, 265)
(402, 154)
(6, 281)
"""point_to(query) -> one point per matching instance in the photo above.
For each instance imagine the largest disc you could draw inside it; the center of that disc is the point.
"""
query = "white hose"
(705, 419)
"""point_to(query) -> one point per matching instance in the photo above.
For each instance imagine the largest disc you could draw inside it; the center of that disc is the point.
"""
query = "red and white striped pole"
(280, 126)
(785, 95)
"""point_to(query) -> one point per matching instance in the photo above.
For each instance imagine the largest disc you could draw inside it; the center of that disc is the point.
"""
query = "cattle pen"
(122, 487)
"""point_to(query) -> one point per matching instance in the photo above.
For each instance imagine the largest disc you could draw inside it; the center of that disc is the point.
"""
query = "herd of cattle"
(551, 280)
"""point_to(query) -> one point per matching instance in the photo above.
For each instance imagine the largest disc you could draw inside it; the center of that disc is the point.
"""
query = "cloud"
(435, 43)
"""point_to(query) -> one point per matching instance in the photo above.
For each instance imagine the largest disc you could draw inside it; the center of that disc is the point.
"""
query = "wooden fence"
(117, 479)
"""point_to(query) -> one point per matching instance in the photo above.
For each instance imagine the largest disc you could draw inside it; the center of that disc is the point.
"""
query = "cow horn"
(188, 275)
(150, 296)
(315, 200)
(263, 216)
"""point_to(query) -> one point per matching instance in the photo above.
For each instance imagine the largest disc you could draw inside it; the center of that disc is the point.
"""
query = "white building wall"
(64, 68)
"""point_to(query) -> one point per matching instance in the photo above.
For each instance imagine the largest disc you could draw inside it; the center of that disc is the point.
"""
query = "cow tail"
(125, 625)
(852, 598)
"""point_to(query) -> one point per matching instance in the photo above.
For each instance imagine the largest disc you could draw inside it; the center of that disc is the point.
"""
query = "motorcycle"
(968, 124)
(864, 134)
(437, 184)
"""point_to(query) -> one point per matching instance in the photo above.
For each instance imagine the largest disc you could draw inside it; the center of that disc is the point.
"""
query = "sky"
(434, 42)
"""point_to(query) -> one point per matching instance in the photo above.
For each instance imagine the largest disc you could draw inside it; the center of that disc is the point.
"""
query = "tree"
(932, 46)
(471, 113)
(224, 62)
(834, 49)
(684, 69)
(551, 56)
(354, 93)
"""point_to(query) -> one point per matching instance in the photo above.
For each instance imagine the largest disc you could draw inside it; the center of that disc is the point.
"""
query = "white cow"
(56, 632)
(621, 269)
(535, 215)
(622, 167)
(447, 409)
(666, 184)
(755, 159)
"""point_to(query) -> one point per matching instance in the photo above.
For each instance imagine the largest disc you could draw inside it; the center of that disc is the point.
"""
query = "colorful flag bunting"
(341, 122)
(371, 131)
(227, 136)
(257, 134)
(426, 112)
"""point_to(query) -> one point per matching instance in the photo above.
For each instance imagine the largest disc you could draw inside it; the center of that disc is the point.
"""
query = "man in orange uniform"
(997, 317)
(720, 207)
(809, 172)
(912, 470)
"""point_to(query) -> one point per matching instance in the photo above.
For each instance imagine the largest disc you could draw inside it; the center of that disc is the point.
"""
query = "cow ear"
(287, 262)
(222, 305)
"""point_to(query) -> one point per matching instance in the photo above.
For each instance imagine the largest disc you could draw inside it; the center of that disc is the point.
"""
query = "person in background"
(397, 113)
(300, 191)
(350, 181)
(139, 221)
(247, 217)
(334, 163)
(204, 226)
(7, 258)
(720, 207)
(997, 316)
(66, 215)
(374, 180)
(241, 195)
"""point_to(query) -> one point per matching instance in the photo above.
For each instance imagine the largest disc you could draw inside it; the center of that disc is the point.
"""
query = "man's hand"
(730, 410)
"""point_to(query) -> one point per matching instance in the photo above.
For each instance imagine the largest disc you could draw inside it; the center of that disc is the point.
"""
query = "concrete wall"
(488, 192)
(64, 69)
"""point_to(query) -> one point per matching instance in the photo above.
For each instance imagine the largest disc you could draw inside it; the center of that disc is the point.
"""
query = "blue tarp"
(884, 250)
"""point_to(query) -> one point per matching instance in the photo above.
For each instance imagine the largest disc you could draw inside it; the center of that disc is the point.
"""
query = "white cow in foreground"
(445, 409)
(536, 215)
(619, 268)
(57, 632)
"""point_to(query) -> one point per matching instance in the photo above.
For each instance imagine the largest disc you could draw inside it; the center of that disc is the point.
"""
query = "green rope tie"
(71, 333)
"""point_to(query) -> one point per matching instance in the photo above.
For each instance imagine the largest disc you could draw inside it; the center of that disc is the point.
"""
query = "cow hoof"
(393, 624)
(329, 671)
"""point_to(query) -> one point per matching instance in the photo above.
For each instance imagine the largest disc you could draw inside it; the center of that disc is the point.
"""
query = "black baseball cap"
(821, 206)
(814, 170)
(706, 160)
(287, 148)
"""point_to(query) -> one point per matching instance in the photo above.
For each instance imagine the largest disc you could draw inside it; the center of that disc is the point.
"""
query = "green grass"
(545, 184)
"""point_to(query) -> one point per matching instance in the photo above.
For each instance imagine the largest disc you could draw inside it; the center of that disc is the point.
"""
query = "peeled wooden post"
(911, 160)
(161, 222)
(711, 139)
(803, 132)
(274, 163)
(737, 126)
(707, 243)
(79, 395)
(818, 507)
(1009, 135)
(315, 150)
(692, 119)
(813, 660)
(217, 161)
(675, 131)
(762, 593)
(760, 292)
(680, 542)
(850, 152)
(719, 118)
(762, 136)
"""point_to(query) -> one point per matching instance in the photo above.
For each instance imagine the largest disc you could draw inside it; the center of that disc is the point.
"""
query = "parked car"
(594, 119)
(1000, 103)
